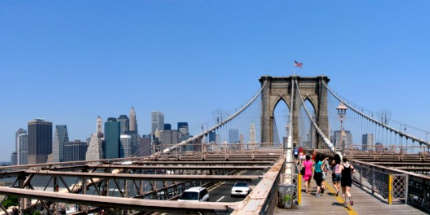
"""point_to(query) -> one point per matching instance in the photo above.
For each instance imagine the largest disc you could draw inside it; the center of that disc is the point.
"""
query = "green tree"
(11, 201)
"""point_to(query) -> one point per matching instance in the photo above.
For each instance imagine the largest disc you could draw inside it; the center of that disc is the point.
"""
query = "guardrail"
(394, 185)
(262, 199)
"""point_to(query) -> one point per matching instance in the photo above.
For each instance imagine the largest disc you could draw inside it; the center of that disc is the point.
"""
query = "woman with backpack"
(346, 170)
(336, 173)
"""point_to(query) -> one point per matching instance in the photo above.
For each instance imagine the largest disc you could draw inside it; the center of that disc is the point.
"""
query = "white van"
(195, 194)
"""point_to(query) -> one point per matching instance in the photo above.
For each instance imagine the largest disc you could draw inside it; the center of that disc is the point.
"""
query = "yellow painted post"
(390, 189)
(299, 189)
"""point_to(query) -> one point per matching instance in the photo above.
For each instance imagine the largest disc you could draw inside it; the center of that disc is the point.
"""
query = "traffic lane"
(222, 193)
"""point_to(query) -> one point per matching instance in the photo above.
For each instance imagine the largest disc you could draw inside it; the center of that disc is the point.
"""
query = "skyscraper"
(157, 121)
(124, 124)
(13, 159)
(95, 148)
(20, 144)
(22, 153)
(367, 142)
(252, 135)
(39, 141)
(125, 148)
(167, 126)
(75, 151)
(112, 138)
(183, 128)
(169, 137)
(60, 137)
(133, 121)
(233, 135)
(144, 146)
(99, 131)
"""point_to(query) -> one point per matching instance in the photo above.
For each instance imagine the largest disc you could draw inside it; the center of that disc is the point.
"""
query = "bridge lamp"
(341, 112)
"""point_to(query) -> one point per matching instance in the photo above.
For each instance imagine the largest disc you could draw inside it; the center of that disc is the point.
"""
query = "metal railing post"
(373, 182)
(406, 188)
(390, 189)
(299, 189)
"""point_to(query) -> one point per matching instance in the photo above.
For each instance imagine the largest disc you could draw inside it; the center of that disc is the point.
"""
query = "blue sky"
(70, 61)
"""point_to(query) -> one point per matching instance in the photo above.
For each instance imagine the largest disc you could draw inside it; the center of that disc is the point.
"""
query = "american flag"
(298, 64)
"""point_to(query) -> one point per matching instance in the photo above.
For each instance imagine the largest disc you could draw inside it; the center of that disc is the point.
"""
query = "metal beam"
(200, 167)
(118, 202)
(148, 176)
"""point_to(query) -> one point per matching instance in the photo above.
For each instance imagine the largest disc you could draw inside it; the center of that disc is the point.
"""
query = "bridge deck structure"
(328, 203)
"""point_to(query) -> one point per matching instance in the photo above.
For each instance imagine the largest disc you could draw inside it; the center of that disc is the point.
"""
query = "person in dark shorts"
(346, 170)
(318, 174)
(335, 173)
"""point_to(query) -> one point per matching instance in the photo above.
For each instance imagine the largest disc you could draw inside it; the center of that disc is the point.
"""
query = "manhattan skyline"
(71, 61)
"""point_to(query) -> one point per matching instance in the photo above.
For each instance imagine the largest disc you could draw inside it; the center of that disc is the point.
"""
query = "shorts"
(336, 177)
(318, 178)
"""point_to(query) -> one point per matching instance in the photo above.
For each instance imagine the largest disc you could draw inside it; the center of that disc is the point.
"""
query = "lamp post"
(341, 112)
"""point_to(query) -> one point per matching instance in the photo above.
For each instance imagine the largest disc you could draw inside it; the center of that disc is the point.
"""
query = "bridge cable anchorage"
(204, 133)
(420, 141)
(325, 139)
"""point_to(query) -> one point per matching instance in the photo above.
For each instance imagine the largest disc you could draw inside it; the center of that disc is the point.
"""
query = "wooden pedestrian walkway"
(328, 203)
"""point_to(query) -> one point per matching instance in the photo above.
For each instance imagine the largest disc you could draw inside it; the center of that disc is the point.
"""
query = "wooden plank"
(328, 203)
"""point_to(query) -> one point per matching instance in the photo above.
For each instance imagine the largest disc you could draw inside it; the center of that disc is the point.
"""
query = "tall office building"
(60, 137)
(233, 135)
(13, 159)
(337, 142)
(157, 121)
(99, 127)
(252, 134)
(22, 153)
(169, 137)
(167, 126)
(75, 151)
(112, 139)
(20, 137)
(183, 128)
(212, 137)
(367, 142)
(39, 141)
(124, 124)
(144, 146)
(125, 148)
(133, 121)
(95, 148)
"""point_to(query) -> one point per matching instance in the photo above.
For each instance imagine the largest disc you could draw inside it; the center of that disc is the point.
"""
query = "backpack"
(296, 152)
(337, 169)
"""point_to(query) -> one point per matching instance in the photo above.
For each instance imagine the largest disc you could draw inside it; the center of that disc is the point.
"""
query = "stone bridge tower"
(279, 89)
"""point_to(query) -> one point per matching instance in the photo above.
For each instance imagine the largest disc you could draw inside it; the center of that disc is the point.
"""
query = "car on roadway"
(195, 194)
(240, 189)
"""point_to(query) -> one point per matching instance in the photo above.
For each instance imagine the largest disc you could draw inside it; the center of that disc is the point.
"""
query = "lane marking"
(220, 198)
(339, 198)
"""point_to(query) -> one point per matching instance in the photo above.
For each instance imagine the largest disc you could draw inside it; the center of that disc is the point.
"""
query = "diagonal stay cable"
(325, 139)
(204, 133)
(420, 141)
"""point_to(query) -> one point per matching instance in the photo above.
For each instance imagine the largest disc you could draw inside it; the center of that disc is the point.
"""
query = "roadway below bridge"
(221, 192)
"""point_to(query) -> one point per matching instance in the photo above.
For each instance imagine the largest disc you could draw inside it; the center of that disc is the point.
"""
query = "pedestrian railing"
(394, 185)
(383, 182)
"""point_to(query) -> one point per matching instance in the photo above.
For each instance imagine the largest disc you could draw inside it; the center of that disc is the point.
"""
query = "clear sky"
(70, 61)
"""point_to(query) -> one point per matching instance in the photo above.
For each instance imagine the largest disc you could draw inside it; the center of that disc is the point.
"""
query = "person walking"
(346, 170)
(318, 177)
(296, 154)
(301, 155)
(307, 164)
(325, 167)
(335, 173)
